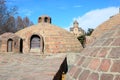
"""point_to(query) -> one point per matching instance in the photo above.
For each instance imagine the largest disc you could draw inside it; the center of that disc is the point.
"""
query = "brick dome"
(112, 21)
(9, 42)
(100, 60)
(105, 26)
(53, 39)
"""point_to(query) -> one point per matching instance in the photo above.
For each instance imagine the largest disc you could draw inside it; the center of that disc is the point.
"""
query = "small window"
(15, 44)
(40, 19)
(46, 19)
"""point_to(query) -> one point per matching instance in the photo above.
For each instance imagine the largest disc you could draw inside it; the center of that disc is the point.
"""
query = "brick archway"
(9, 45)
(36, 43)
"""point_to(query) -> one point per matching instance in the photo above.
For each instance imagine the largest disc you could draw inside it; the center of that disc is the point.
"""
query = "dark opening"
(21, 45)
(9, 45)
(46, 19)
(35, 41)
(63, 69)
(40, 19)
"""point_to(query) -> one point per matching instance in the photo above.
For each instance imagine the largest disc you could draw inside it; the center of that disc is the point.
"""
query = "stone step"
(35, 50)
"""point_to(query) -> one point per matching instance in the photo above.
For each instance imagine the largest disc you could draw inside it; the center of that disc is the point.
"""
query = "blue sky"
(89, 13)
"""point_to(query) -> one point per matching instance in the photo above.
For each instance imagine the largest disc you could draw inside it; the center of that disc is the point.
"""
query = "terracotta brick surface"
(116, 42)
(29, 67)
(105, 65)
(117, 33)
(115, 53)
(107, 25)
(94, 64)
(89, 40)
(107, 35)
(102, 57)
(80, 61)
(86, 62)
(108, 42)
(72, 71)
(106, 77)
(84, 75)
(93, 76)
(117, 77)
(103, 52)
(94, 52)
(116, 66)
(86, 51)
(77, 73)
(98, 43)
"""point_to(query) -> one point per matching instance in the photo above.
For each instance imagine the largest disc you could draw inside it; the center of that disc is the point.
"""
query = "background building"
(76, 30)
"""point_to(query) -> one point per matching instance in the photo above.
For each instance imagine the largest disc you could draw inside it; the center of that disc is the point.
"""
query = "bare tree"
(27, 22)
(20, 24)
(10, 25)
(5, 14)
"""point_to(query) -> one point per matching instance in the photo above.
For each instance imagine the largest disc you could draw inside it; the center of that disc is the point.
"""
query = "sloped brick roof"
(107, 25)
(56, 39)
(8, 35)
(100, 60)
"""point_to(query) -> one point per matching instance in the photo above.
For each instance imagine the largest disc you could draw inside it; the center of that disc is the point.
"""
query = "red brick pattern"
(29, 67)
(101, 58)
(117, 77)
(103, 52)
(84, 75)
(116, 66)
(105, 65)
(94, 52)
(108, 42)
(86, 62)
(77, 73)
(106, 26)
(80, 61)
(116, 42)
(117, 33)
(94, 64)
(93, 76)
(115, 53)
(106, 77)
(72, 71)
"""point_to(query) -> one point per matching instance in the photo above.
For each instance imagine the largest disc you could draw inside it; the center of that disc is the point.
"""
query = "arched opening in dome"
(46, 19)
(36, 43)
(39, 20)
(9, 45)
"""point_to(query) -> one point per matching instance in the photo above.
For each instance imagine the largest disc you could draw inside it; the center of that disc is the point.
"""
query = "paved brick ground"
(28, 67)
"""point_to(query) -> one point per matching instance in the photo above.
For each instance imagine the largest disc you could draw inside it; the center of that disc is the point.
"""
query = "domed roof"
(8, 35)
(56, 39)
(100, 60)
(45, 16)
(111, 22)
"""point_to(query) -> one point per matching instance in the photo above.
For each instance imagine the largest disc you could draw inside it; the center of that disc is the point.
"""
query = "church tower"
(76, 30)
(75, 24)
